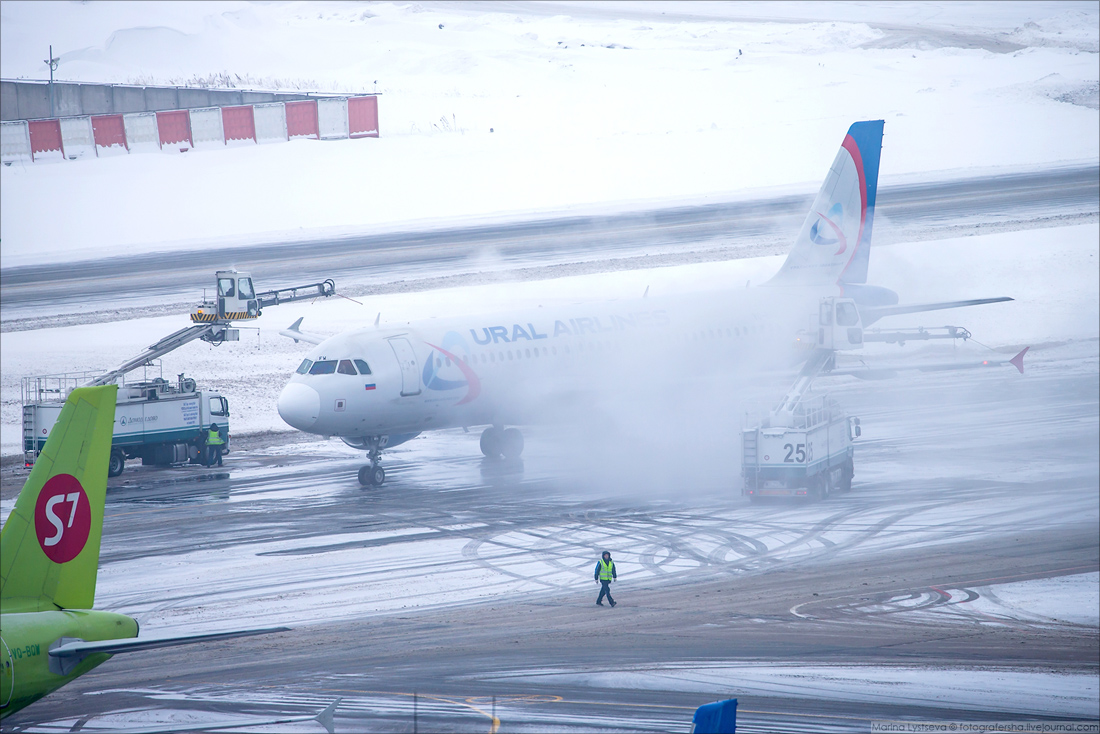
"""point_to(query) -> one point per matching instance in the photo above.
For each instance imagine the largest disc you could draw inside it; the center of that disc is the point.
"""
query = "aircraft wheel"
(490, 442)
(364, 476)
(377, 476)
(117, 463)
(511, 444)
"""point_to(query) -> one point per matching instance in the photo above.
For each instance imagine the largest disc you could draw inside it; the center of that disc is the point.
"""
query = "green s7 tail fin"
(49, 547)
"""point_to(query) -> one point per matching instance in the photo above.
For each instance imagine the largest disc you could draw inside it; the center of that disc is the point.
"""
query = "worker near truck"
(605, 574)
(214, 444)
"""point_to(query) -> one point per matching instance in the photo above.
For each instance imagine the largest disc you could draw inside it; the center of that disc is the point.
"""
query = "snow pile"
(541, 108)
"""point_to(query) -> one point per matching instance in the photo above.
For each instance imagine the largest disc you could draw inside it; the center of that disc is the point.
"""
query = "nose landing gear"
(373, 475)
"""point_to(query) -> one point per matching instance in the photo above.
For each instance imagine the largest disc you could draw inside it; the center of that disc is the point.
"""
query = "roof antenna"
(377, 318)
(646, 292)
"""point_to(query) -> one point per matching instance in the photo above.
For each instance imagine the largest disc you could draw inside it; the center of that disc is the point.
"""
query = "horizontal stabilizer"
(872, 314)
(81, 649)
(297, 335)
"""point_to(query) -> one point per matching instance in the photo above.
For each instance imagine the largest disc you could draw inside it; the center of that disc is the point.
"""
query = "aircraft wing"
(871, 314)
(297, 335)
(81, 649)
(883, 372)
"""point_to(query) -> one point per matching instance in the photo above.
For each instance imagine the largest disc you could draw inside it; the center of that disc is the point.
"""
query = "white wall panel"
(77, 137)
(332, 118)
(270, 122)
(141, 131)
(15, 141)
(206, 127)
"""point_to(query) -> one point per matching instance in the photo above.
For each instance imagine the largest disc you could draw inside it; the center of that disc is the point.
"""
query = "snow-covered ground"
(497, 111)
(1027, 692)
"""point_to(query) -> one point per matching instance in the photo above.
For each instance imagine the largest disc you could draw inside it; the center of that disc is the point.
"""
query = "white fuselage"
(521, 367)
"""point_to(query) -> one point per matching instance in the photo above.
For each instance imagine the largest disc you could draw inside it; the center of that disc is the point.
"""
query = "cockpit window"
(363, 368)
(346, 367)
(323, 368)
(304, 366)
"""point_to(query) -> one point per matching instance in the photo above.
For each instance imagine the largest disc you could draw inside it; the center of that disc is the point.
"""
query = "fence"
(25, 99)
(180, 130)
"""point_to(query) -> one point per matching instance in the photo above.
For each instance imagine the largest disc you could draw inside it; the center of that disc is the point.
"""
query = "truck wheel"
(116, 463)
(846, 475)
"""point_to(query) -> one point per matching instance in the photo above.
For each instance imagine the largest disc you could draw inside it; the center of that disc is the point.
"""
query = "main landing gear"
(497, 442)
(373, 475)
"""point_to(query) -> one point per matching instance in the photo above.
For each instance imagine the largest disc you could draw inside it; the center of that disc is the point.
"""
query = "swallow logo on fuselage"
(442, 363)
(819, 234)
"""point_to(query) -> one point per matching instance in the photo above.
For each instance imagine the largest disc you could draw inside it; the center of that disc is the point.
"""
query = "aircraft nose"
(299, 405)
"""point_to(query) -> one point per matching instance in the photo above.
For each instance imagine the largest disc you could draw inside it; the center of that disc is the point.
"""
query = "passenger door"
(410, 374)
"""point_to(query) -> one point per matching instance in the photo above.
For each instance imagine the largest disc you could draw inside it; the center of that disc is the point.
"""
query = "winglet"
(326, 717)
(1018, 360)
(296, 334)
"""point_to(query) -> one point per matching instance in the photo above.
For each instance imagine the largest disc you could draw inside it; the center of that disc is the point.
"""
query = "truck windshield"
(225, 287)
(846, 314)
(304, 366)
(323, 368)
(245, 288)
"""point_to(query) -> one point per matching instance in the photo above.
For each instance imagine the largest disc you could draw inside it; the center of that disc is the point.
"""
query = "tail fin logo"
(835, 222)
(62, 518)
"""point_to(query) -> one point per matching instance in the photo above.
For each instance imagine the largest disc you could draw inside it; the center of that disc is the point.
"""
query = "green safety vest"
(214, 439)
(605, 570)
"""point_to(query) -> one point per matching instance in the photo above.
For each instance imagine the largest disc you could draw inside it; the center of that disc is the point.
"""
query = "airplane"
(49, 559)
(379, 386)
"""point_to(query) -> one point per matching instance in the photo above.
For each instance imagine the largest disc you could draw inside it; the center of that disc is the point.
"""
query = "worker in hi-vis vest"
(605, 574)
(214, 445)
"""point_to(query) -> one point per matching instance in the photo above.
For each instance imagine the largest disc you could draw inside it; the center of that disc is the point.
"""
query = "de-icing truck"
(155, 420)
(159, 422)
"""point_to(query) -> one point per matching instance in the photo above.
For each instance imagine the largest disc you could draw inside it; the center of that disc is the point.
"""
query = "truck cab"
(838, 325)
(235, 301)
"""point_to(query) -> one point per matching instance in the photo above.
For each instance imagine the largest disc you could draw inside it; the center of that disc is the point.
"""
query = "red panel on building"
(108, 130)
(301, 119)
(174, 127)
(238, 123)
(363, 117)
(45, 137)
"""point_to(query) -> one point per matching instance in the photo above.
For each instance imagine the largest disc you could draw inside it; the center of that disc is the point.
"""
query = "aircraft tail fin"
(49, 547)
(834, 243)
